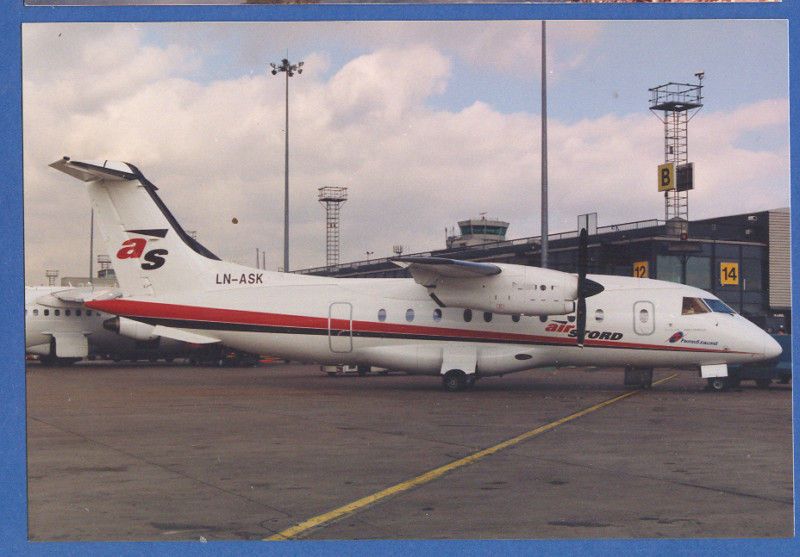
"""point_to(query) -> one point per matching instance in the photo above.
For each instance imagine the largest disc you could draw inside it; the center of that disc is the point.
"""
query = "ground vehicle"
(348, 369)
(763, 373)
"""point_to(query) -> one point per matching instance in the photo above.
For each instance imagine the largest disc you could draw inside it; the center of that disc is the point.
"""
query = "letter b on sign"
(666, 177)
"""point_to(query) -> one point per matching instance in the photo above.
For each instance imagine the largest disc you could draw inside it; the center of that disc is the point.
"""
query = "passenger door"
(644, 318)
(340, 327)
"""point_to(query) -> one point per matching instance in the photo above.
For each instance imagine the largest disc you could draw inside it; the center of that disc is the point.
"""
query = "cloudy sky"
(426, 123)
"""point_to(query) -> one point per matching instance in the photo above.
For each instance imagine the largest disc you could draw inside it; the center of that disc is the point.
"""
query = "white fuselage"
(171, 281)
(393, 323)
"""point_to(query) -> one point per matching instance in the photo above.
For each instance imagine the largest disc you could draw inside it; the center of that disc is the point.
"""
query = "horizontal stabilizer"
(443, 267)
(89, 172)
(183, 336)
(75, 297)
(83, 295)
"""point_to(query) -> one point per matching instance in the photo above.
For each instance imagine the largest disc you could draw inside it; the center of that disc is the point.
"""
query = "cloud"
(214, 147)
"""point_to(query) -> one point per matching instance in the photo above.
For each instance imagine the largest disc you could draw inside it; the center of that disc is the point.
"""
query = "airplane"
(456, 319)
(61, 331)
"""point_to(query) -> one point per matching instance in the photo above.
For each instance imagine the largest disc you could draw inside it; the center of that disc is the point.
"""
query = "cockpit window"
(718, 306)
(693, 306)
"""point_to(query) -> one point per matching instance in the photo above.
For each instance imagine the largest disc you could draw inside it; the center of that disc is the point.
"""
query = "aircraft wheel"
(454, 380)
(763, 383)
(718, 384)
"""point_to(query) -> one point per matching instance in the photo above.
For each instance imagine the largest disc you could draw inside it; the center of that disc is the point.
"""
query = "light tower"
(289, 69)
(332, 197)
(675, 104)
(52, 275)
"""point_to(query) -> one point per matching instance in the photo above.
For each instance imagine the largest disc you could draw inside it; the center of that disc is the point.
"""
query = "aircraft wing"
(423, 269)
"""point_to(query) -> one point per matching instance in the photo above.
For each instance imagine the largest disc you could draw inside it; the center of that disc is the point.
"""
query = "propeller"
(586, 287)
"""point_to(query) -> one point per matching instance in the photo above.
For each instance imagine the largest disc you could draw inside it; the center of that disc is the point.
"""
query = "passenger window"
(57, 312)
(88, 313)
(36, 312)
(77, 313)
(487, 316)
(67, 312)
(381, 315)
(599, 315)
(46, 312)
(409, 315)
(467, 315)
(644, 316)
(515, 317)
(437, 315)
(693, 306)
(543, 318)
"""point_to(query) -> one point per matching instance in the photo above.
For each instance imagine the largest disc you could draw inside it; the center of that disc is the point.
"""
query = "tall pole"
(91, 246)
(289, 69)
(544, 238)
(286, 185)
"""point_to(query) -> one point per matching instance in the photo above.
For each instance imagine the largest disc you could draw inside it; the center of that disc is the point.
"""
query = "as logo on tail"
(133, 248)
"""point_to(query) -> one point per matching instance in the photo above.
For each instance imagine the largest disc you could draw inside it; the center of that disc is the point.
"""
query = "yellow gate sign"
(641, 269)
(728, 273)
(666, 176)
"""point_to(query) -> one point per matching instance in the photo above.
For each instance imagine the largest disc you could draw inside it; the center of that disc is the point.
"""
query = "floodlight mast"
(675, 104)
(544, 225)
(289, 69)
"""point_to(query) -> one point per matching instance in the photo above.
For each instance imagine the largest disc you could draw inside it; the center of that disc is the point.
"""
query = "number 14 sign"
(728, 273)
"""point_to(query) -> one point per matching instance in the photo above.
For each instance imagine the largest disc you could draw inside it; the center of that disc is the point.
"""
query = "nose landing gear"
(719, 384)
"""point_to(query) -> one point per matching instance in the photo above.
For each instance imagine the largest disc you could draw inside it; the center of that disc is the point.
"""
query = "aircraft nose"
(771, 347)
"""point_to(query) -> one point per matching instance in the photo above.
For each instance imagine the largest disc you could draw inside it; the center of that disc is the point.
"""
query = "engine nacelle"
(517, 289)
(130, 328)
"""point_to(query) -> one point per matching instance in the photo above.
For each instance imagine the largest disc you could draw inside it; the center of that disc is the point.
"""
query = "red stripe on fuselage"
(157, 310)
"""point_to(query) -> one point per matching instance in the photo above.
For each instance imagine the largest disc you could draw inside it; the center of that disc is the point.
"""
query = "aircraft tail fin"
(151, 253)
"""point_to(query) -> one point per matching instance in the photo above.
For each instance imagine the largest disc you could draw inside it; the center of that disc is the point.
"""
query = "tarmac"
(168, 452)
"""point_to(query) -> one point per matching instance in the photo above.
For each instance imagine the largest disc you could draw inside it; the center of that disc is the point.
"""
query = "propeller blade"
(583, 242)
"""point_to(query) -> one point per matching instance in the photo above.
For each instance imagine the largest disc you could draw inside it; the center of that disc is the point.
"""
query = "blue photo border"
(13, 483)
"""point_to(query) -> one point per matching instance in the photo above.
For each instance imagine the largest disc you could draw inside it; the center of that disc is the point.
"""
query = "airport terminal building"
(743, 259)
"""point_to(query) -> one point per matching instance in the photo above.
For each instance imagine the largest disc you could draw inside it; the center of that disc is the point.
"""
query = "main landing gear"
(719, 384)
(456, 380)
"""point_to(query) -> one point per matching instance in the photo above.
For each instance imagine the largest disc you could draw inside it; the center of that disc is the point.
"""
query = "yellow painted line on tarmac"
(330, 516)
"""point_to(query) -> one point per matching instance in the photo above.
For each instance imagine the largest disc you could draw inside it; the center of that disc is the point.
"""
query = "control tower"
(478, 231)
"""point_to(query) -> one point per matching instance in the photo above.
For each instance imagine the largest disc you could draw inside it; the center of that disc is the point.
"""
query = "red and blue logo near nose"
(676, 337)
